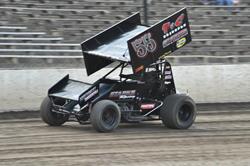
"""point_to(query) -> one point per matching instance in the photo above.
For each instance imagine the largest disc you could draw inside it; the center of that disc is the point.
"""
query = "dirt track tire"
(50, 117)
(178, 111)
(105, 116)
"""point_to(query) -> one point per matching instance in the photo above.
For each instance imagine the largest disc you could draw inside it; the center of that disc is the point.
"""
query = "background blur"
(40, 43)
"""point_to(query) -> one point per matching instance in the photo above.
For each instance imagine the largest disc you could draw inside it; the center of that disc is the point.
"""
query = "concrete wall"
(25, 89)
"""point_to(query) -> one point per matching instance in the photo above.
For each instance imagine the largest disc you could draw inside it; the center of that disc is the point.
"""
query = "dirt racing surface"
(217, 138)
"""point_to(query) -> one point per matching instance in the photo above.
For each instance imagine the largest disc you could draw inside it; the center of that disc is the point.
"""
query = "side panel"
(95, 63)
(97, 91)
(159, 41)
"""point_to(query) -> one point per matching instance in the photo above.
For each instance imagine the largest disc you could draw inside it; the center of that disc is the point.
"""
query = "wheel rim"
(109, 117)
(185, 112)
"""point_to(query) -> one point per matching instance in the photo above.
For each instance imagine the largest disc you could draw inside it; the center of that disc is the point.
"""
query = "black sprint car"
(147, 93)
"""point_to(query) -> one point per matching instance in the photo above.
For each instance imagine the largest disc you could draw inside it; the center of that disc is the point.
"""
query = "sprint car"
(145, 93)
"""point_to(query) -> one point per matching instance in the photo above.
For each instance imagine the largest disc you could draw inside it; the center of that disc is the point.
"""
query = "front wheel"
(50, 117)
(178, 111)
(105, 116)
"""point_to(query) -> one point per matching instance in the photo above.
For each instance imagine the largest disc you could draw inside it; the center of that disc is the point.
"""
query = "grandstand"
(48, 33)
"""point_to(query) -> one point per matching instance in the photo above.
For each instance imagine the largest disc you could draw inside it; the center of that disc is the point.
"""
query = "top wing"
(111, 45)
(130, 41)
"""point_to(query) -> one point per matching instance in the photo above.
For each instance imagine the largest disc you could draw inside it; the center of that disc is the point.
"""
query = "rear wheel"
(178, 111)
(105, 116)
(50, 117)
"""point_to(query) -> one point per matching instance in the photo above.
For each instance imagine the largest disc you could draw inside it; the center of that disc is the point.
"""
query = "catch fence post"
(145, 8)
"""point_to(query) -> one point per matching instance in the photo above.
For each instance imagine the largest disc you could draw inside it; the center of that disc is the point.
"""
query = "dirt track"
(215, 139)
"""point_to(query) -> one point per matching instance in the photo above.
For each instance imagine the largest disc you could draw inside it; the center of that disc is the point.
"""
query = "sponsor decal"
(144, 45)
(168, 72)
(164, 56)
(175, 32)
(138, 69)
(126, 97)
(174, 37)
(167, 82)
(170, 28)
(168, 77)
(181, 42)
(147, 106)
(179, 20)
(129, 94)
(88, 95)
